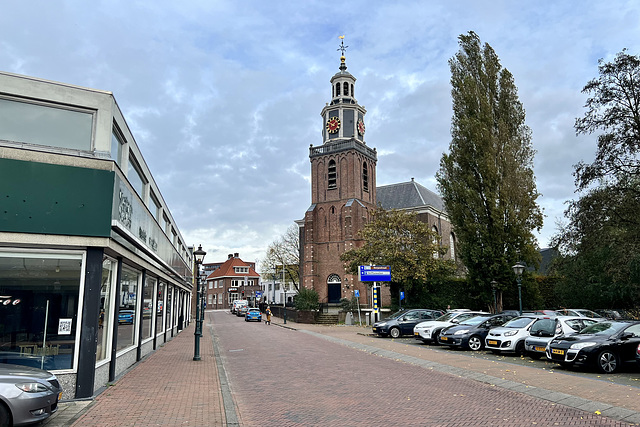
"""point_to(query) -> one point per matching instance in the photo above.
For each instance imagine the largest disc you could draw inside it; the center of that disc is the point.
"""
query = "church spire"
(342, 48)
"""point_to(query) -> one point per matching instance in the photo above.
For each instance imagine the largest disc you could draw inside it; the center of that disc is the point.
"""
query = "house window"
(332, 174)
(365, 177)
(452, 246)
(435, 241)
(135, 177)
(116, 147)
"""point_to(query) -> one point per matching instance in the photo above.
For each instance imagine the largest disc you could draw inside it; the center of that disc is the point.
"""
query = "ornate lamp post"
(199, 257)
(284, 287)
(518, 269)
(494, 287)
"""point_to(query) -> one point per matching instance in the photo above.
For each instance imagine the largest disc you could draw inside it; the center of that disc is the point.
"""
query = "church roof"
(407, 195)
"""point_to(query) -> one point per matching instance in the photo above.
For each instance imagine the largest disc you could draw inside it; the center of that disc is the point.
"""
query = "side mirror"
(626, 335)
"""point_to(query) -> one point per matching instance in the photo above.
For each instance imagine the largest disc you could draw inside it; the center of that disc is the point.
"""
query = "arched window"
(334, 279)
(332, 175)
(365, 177)
(436, 254)
(352, 94)
(346, 89)
(337, 89)
(452, 246)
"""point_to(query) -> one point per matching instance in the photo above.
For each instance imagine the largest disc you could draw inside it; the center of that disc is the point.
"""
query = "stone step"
(327, 319)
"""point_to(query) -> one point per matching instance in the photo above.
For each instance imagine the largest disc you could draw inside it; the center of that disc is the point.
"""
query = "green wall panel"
(54, 199)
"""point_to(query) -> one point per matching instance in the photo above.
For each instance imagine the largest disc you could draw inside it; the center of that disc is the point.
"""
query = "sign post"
(357, 295)
(375, 273)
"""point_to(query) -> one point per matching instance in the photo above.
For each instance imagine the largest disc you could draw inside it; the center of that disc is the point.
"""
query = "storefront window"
(127, 318)
(104, 322)
(39, 308)
(147, 307)
(160, 310)
(169, 306)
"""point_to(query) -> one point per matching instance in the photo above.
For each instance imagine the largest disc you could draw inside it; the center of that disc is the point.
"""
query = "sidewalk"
(167, 388)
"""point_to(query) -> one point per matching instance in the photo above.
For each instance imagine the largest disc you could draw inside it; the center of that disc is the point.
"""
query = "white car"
(428, 331)
(509, 338)
(547, 328)
(582, 312)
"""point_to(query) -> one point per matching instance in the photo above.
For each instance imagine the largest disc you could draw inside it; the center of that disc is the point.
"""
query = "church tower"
(343, 193)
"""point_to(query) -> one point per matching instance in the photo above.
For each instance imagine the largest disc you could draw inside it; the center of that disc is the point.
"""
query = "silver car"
(27, 395)
(544, 330)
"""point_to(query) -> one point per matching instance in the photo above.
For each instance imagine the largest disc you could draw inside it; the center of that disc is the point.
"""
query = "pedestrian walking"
(268, 313)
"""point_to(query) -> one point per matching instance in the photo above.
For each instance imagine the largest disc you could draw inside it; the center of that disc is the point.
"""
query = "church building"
(344, 193)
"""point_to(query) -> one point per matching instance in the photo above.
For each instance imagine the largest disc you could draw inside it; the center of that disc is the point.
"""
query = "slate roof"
(407, 195)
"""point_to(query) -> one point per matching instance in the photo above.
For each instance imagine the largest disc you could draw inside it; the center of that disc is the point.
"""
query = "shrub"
(306, 299)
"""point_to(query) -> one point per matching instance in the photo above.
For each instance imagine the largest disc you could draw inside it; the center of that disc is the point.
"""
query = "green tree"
(600, 265)
(398, 239)
(486, 180)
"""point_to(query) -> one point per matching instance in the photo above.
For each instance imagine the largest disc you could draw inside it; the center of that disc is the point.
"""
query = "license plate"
(375, 330)
(59, 396)
(492, 342)
(556, 351)
(416, 334)
(444, 338)
(541, 349)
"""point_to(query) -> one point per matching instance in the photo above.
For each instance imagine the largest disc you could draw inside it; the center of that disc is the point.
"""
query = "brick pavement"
(167, 388)
(365, 381)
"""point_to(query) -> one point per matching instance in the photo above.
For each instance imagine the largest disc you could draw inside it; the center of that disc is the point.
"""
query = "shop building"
(94, 272)
(231, 280)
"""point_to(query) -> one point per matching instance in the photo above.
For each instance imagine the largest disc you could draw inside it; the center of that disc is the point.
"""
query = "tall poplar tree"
(486, 179)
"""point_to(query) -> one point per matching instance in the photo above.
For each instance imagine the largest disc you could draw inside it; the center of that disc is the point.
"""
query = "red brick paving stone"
(168, 388)
(280, 377)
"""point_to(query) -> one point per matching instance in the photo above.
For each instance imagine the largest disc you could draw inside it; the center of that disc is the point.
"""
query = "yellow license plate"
(416, 334)
(556, 351)
(444, 338)
(491, 342)
(539, 349)
(59, 396)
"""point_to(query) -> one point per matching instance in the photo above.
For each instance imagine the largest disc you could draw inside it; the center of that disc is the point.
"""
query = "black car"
(605, 345)
(638, 356)
(470, 334)
(402, 322)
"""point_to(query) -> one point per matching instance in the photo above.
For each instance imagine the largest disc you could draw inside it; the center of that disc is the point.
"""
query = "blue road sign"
(357, 293)
(375, 273)
(401, 295)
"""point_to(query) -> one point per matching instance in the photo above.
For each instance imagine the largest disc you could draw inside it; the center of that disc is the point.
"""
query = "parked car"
(610, 314)
(509, 338)
(126, 317)
(638, 356)
(428, 331)
(237, 303)
(403, 322)
(544, 330)
(253, 314)
(470, 333)
(241, 310)
(27, 395)
(605, 345)
(582, 312)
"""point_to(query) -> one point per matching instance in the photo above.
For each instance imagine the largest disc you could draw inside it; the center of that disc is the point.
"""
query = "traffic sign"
(357, 293)
(375, 273)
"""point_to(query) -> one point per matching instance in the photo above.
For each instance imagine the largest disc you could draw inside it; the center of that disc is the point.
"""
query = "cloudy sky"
(224, 97)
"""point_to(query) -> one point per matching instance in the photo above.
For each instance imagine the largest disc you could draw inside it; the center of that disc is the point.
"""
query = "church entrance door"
(334, 293)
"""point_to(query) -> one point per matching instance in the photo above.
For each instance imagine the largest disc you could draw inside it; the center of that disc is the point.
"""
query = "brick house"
(231, 280)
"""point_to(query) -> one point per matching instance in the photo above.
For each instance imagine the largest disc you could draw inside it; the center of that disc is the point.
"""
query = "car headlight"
(581, 345)
(510, 333)
(381, 324)
(461, 332)
(32, 387)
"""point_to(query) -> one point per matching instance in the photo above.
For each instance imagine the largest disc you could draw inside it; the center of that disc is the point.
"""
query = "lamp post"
(518, 269)
(284, 288)
(199, 257)
(494, 287)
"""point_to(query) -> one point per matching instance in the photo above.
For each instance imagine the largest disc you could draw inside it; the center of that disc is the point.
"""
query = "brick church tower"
(343, 193)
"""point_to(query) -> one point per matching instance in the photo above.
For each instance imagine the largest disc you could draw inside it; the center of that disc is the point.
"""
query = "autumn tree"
(284, 251)
(486, 179)
(601, 242)
(398, 239)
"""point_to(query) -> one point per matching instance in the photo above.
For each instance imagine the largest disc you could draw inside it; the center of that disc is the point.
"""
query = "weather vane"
(342, 46)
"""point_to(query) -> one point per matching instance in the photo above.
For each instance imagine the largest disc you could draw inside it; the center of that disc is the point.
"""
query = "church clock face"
(360, 127)
(333, 124)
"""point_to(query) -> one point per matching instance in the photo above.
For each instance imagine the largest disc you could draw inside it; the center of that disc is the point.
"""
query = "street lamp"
(494, 287)
(199, 257)
(518, 269)
(284, 287)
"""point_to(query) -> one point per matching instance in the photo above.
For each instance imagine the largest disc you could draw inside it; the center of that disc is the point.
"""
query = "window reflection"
(169, 303)
(128, 303)
(160, 310)
(104, 321)
(147, 307)
(38, 308)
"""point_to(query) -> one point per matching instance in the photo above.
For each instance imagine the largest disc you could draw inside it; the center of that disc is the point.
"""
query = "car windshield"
(588, 313)
(254, 310)
(447, 317)
(518, 322)
(474, 320)
(396, 314)
(603, 328)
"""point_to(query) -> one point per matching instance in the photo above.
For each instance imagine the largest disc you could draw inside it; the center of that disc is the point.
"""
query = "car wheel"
(520, 348)
(475, 343)
(434, 337)
(607, 362)
(5, 416)
(394, 332)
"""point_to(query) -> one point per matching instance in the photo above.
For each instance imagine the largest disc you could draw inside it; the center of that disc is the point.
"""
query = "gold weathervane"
(342, 46)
